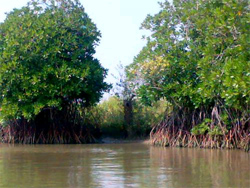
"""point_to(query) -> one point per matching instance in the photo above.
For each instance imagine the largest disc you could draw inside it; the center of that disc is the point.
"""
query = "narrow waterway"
(121, 165)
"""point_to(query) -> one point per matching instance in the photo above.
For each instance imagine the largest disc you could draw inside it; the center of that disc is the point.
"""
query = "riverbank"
(110, 140)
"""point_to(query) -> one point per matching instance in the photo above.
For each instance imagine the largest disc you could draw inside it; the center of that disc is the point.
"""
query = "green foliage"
(145, 117)
(46, 58)
(109, 115)
(3, 122)
(197, 55)
(197, 58)
(110, 112)
(216, 130)
(202, 128)
(206, 128)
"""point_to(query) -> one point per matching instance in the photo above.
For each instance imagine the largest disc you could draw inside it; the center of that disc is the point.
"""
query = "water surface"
(121, 165)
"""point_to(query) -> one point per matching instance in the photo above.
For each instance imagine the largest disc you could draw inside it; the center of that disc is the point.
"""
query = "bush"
(46, 59)
(48, 72)
(109, 115)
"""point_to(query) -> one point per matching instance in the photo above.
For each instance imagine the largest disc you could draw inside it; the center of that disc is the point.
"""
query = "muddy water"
(121, 165)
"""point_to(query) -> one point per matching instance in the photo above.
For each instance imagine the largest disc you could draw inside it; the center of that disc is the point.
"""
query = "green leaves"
(206, 46)
(202, 128)
(206, 128)
(46, 58)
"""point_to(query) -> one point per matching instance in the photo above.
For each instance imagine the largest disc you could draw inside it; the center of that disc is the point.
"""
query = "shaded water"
(121, 165)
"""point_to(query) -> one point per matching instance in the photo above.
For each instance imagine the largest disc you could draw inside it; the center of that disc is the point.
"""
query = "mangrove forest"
(187, 87)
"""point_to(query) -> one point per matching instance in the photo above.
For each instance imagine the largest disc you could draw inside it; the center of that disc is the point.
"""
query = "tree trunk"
(128, 114)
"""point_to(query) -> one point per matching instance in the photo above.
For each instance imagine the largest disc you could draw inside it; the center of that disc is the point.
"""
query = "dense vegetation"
(109, 116)
(47, 72)
(190, 82)
(197, 59)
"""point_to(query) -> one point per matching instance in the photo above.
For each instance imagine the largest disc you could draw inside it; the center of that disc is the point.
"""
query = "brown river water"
(121, 166)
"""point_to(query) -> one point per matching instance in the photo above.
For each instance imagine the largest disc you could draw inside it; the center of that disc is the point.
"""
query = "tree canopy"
(197, 54)
(197, 58)
(46, 58)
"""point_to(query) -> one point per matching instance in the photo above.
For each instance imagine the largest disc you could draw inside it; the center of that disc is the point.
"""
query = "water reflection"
(202, 167)
(121, 165)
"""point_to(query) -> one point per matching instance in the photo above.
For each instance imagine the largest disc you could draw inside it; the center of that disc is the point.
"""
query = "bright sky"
(119, 22)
